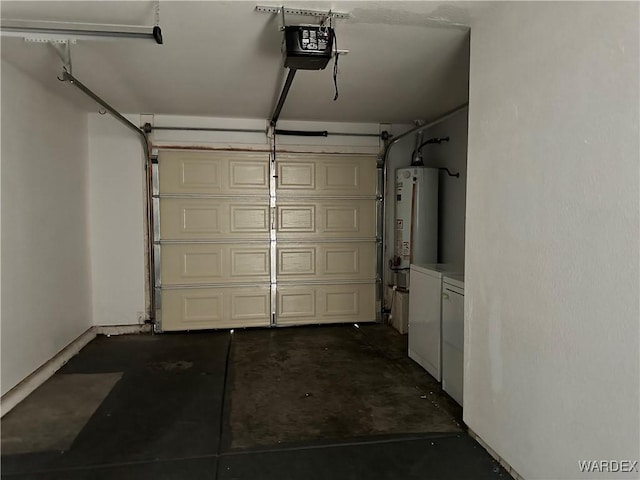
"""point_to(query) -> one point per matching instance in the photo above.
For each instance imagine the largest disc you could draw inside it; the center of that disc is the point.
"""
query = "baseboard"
(497, 457)
(18, 393)
(21, 391)
(122, 329)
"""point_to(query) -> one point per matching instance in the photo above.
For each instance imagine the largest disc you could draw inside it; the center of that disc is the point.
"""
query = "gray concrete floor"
(300, 402)
(331, 383)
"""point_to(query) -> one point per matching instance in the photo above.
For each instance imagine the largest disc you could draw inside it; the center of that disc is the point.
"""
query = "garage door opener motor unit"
(308, 47)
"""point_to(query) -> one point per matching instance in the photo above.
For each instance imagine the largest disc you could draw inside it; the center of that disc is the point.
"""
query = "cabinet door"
(452, 342)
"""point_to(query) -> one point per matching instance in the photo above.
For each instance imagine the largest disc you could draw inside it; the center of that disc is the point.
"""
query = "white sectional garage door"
(237, 248)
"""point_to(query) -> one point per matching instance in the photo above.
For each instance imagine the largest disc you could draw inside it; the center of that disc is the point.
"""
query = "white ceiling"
(406, 61)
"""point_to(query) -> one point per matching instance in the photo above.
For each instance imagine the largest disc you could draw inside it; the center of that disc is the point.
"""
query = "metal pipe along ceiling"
(423, 127)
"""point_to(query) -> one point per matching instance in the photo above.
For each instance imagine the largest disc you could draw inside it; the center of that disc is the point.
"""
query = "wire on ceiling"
(335, 61)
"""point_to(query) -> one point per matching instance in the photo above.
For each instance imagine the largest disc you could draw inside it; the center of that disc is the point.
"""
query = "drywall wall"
(451, 190)
(552, 258)
(46, 293)
(117, 212)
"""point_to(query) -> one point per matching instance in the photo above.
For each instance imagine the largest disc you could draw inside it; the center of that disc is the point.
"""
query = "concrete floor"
(303, 402)
(331, 383)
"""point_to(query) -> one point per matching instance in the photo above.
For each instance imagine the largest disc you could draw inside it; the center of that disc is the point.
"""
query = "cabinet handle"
(445, 296)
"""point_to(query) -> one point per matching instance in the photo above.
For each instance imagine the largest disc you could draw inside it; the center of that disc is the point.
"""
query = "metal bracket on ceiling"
(302, 12)
(63, 49)
(326, 15)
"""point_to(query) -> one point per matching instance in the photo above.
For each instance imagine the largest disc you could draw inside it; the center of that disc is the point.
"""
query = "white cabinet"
(425, 321)
(453, 336)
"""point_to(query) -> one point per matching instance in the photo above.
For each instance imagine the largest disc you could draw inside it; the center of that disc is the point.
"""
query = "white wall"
(46, 293)
(552, 236)
(451, 190)
(117, 212)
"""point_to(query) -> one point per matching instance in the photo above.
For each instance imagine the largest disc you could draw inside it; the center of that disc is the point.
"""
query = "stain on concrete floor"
(336, 382)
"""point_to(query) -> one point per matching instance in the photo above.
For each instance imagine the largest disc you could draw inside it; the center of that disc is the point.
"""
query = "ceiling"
(406, 60)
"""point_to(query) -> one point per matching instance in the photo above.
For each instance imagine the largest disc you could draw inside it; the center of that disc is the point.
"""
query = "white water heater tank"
(416, 225)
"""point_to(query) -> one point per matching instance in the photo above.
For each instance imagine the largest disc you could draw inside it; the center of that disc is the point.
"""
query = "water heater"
(416, 217)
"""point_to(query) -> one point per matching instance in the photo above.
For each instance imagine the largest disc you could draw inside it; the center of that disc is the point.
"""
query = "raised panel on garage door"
(355, 218)
(326, 175)
(298, 304)
(204, 218)
(298, 262)
(213, 173)
(222, 307)
(194, 263)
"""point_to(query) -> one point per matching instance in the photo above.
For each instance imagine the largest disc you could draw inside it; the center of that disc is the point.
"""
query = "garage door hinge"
(154, 160)
(273, 319)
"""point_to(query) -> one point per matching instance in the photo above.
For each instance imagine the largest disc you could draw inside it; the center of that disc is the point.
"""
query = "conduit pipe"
(67, 77)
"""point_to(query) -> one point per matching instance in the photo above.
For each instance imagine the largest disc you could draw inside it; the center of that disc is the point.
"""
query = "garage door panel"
(186, 219)
(202, 308)
(354, 218)
(249, 175)
(338, 219)
(251, 306)
(297, 304)
(343, 176)
(296, 261)
(196, 174)
(249, 219)
(250, 262)
(326, 175)
(231, 241)
(213, 173)
(188, 263)
(300, 304)
(296, 176)
(338, 261)
(297, 219)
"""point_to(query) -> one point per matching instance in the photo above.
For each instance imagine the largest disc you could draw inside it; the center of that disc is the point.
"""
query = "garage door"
(326, 231)
(243, 242)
